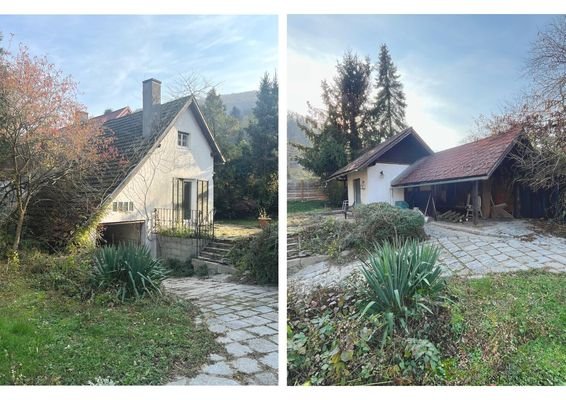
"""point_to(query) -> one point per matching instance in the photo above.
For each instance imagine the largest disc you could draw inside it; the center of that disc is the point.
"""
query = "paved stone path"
(465, 251)
(497, 247)
(245, 318)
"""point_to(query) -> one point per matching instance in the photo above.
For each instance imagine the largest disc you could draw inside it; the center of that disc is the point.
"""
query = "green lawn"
(506, 329)
(305, 206)
(245, 222)
(47, 338)
(513, 330)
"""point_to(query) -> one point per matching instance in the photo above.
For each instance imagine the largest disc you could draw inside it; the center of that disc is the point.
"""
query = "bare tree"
(191, 84)
(541, 160)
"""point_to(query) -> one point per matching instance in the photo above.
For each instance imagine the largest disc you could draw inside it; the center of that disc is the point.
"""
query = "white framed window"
(183, 139)
(122, 206)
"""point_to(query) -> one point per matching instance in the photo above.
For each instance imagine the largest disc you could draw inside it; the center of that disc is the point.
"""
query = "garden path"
(491, 247)
(245, 319)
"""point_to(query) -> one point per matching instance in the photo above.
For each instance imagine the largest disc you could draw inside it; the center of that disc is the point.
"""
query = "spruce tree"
(342, 130)
(390, 104)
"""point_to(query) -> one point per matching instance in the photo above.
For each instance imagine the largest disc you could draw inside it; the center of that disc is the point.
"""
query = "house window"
(183, 139)
(123, 206)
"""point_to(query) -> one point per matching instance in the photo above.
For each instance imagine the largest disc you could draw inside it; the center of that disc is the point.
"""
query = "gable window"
(123, 206)
(183, 139)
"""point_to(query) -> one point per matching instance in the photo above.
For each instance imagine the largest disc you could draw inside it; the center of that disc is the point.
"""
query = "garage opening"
(122, 233)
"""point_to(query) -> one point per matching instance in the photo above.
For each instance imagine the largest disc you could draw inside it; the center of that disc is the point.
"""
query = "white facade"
(150, 185)
(375, 184)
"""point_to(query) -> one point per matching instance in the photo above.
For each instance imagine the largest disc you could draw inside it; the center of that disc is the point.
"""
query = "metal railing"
(190, 224)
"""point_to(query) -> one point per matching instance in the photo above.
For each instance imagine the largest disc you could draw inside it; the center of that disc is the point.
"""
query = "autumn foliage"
(43, 136)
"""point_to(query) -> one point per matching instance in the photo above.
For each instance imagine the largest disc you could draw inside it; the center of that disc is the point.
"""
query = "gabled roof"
(371, 156)
(475, 160)
(121, 112)
(133, 148)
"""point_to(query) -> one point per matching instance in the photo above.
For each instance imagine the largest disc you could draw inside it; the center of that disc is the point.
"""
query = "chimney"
(82, 116)
(151, 106)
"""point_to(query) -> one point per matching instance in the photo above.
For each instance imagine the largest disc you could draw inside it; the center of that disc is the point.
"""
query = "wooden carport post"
(475, 202)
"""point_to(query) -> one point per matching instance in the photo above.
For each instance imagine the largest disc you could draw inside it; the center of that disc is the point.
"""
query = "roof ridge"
(185, 98)
(490, 137)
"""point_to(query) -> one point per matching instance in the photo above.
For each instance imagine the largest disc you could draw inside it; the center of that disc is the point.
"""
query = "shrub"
(128, 269)
(180, 268)
(256, 257)
(377, 222)
(402, 279)
(68, 274)
(336, 193)
(380, 222)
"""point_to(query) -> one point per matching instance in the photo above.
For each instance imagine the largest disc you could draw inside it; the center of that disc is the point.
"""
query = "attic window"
(183, 139)
(123, 206)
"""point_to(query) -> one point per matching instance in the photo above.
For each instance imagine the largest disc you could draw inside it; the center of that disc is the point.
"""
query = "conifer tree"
(390, 104)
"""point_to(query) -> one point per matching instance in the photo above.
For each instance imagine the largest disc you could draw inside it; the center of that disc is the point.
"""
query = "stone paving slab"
(245, 318)
(491, 247)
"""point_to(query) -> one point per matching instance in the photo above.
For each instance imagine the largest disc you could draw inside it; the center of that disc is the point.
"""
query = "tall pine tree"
(263, 134)
(342, 130)
(390, 104)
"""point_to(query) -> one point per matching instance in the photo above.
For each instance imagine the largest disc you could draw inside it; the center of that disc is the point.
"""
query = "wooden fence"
(305, 190)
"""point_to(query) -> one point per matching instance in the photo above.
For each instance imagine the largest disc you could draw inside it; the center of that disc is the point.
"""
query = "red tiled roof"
(475, 159)
(101, 119)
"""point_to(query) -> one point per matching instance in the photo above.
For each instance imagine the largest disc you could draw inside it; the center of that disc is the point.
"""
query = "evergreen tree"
(341, 131)
(236, 113)
(224, 127)
(263, 134)
(390, 104)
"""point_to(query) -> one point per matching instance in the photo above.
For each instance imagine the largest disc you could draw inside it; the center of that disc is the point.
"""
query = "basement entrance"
(122, 233)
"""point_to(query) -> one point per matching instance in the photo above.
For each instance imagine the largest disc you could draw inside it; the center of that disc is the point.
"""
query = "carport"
(470, 181)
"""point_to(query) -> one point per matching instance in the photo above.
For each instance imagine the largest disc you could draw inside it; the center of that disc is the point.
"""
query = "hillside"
(244, 101)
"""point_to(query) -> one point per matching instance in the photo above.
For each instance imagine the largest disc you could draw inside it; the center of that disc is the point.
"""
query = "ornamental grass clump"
(403, 279)
(128, 269)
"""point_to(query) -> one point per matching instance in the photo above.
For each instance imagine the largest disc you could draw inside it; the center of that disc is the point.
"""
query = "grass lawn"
(48, 339)
(506, 329)
(512, 330)
(236, 228)
(305, 206)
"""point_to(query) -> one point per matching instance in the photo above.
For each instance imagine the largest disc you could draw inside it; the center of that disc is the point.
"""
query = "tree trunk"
(19, 227)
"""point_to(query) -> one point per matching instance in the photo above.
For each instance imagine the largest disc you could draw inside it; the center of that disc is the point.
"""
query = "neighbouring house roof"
(372, 156)
(133, 148)
(107, 116)
(475, 160)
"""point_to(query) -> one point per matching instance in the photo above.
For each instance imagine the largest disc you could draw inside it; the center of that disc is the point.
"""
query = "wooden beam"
(475, 202)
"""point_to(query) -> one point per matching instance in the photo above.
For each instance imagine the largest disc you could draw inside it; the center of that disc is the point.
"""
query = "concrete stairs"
(215, 257)
(293, 247)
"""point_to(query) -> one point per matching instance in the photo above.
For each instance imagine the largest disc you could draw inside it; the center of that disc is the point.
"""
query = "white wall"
(151, 186)
(377, 187)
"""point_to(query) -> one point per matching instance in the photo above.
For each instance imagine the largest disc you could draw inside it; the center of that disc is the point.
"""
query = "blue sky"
(111, 55)
(453, 67)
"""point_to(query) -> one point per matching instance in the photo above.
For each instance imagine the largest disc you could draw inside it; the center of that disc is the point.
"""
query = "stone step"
(214, 267)
(216, 251)
(221, 245)
(212, 259)
(224, 241)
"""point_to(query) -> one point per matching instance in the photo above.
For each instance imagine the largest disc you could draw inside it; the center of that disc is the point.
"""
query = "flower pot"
(263, 222)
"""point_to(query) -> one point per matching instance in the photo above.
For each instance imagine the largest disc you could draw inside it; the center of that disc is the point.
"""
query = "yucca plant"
(130, 269)
(402, 277)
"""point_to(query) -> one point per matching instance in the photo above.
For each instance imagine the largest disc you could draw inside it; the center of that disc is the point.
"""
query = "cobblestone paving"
(465, 251)
(245, 319)
(504, 247)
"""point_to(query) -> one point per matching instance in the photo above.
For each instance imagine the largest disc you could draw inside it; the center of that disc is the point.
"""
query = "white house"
(369, 176)
(168, 175)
